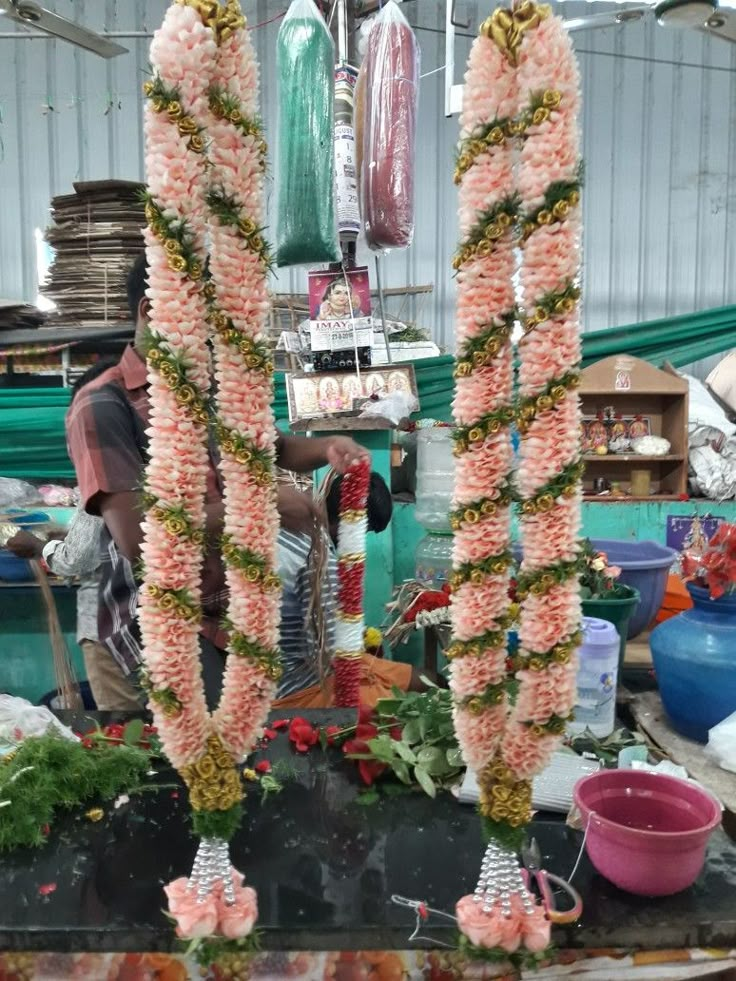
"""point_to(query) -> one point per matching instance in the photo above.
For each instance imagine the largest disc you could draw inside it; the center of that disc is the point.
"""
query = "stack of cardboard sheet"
(16, 315)
(96, 235)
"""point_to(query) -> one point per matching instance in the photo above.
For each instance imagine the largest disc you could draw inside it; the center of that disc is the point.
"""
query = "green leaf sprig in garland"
(227, 211)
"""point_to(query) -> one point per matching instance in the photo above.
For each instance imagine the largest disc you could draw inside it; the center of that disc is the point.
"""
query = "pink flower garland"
(522, 56)
(176, 477)
(204, 68)
(550, 445)
(244, 394)
(482, 520)
(349, 627)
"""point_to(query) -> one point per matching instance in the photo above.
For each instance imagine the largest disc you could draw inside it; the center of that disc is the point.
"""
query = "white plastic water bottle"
(595, 707)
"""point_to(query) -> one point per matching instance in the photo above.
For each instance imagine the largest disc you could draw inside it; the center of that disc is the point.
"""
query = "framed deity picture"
(340, 310)
(315, 396)
(692, 531)
(613, 431)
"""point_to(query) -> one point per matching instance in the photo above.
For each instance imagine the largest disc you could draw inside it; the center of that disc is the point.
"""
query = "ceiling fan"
(27, 13)
(706, 16)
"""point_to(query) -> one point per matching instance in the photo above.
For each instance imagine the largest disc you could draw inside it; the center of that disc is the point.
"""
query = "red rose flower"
(303, 734)
(366, 713)
(369, 770)
(269, 734)
(280, 724)
(332, 732)
(114, 733)
(366, 731)
(263, 766)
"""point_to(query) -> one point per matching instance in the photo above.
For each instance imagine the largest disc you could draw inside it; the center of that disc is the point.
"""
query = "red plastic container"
(647, 832)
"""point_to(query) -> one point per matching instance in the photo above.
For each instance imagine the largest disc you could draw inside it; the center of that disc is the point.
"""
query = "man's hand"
(296, 510)
(342, 452)
(302, 453)
(23, 545)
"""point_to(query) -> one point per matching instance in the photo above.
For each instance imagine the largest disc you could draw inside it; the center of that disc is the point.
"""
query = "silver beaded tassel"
(212, 865)
(500, 879)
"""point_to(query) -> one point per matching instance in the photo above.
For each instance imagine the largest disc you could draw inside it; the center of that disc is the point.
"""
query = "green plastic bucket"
(617, 611)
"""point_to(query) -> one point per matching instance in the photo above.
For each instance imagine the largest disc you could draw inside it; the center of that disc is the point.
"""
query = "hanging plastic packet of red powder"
(389, 111)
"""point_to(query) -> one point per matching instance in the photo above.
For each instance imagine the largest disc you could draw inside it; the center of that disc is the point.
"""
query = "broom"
(66, 681)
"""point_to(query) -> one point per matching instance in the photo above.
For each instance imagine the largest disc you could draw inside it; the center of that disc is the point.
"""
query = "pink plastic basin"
(647, 832)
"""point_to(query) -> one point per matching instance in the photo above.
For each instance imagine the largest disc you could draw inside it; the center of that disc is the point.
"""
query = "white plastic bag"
(394, 407)
(722, 743)
(19, 719)
(17, 494)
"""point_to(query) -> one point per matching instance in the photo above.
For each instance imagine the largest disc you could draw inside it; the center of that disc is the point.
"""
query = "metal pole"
(342, 32)
(383, 313)
(42, 36)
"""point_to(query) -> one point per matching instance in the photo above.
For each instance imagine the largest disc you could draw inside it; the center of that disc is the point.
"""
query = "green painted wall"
(26, 665)
(610, 520)
(26, 659)
(646, 522)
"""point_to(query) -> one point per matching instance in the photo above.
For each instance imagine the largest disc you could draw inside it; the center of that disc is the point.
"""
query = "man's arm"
(79, 552)
(123, 514)
(24, 545)
(297, 510)
(304, 453)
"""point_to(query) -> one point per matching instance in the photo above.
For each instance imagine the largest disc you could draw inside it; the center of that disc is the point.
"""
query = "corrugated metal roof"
(659, 145)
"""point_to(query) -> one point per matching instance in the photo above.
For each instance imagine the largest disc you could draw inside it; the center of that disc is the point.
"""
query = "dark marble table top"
(325, 869)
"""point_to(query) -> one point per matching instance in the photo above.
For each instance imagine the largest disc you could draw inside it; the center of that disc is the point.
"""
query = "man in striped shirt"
(301, 685)
(107, 438)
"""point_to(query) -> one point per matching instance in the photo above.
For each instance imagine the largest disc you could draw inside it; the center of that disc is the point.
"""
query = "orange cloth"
(378, 678)
(676, 599)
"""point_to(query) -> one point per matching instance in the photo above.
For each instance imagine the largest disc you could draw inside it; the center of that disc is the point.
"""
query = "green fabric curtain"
(679, 340)
(32, 444)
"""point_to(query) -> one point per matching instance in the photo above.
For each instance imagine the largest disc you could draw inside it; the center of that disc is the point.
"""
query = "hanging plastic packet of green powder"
(305, 65)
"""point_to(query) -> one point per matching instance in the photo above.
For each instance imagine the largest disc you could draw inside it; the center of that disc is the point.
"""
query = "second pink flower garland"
(526, 52)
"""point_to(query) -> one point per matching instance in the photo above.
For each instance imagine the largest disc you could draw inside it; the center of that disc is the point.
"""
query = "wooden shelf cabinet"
(631, 387)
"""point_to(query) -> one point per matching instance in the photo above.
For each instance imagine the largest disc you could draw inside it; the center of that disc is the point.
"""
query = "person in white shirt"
(79, 554)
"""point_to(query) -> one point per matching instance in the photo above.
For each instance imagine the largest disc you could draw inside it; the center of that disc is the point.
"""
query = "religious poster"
(687, 532)
(340, 310)
(315, 395)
